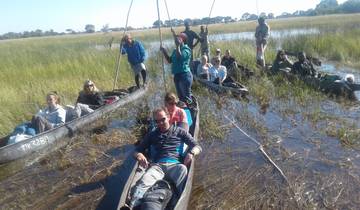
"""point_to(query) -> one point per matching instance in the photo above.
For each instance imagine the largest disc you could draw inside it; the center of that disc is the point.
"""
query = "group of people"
(162, 151)
(302, 67)
(219, 70)
(54, 115)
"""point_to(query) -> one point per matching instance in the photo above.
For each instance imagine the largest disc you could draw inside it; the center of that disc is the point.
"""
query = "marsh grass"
(339, 46)
(30, 68)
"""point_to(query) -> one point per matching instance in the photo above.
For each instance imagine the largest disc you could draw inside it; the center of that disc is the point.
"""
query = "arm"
(183, 120)
(140, 149)
(122, 48)
(99, 98)
(142, 52)
(267, 30)
(197, 38)
(60, 117)
(166, 55)
(194, 148)
(224, 73)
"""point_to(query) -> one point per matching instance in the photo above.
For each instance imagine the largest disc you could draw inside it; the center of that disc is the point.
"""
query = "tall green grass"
(339, 46)
(30, 68)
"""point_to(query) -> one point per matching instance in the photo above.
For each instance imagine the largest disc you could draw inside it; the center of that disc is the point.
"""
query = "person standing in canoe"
(180, 67)
(261, 35)
(165, 160)
(204, 42)
(136, 57)
(191, 36)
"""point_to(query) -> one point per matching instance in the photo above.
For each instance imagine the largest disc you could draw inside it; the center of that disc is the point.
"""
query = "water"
(154, 46)
(323, 172)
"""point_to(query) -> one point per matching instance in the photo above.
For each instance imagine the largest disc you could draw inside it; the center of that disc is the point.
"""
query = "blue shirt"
(135, 51)
(166, 147)
(182, 64)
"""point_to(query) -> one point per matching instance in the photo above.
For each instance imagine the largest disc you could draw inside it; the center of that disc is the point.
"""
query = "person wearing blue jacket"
(136, 57)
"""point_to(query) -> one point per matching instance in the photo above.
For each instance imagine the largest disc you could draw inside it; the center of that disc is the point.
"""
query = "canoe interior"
(136, 173)
(52, 137)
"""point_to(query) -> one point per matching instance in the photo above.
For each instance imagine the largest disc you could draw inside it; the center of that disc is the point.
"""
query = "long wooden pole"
(211, 9)
(161, 44)
(118, 58)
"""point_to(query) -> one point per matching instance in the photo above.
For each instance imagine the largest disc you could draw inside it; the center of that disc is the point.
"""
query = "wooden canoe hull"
(52, 137)
(133, 176)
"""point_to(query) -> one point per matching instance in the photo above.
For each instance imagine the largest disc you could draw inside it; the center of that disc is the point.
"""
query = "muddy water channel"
(320, 171)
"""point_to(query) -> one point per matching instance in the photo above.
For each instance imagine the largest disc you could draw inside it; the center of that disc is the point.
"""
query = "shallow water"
(342, 71)
(322, 171)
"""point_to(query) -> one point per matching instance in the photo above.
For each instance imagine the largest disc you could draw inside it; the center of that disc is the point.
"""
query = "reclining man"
(165, 142)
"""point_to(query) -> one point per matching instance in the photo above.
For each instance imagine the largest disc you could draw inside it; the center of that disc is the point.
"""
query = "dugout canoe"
(46, 140)
(236, 89)
(135, 175)
(338, 88)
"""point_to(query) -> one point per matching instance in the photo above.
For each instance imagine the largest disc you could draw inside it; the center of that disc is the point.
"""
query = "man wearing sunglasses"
(164, 144)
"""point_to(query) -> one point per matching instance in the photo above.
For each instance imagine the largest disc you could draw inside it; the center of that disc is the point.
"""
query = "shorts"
(137, 68)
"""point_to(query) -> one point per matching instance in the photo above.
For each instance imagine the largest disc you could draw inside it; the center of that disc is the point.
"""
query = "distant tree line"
(323, 8)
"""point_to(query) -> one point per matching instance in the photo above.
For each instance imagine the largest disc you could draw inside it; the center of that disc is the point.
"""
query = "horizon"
(62, 15)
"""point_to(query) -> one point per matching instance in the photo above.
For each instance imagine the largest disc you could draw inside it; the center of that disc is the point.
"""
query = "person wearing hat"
(180, 66)
(136, 57)
(261, 35)
(191, 36)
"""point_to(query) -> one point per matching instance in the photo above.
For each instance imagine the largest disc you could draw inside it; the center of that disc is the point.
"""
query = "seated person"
(177, 115)
(52, 116)
(217, 54)
(218, 73)
(203, 68)
(163, 143)
(89, 99)
(281, 62)
(349, 78)
(227, 60)
(303, 67)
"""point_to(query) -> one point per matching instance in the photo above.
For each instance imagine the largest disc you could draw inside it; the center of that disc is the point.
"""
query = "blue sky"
(59, 15)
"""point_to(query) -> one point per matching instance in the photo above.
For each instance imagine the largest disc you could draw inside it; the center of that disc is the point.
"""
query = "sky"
(59, 15)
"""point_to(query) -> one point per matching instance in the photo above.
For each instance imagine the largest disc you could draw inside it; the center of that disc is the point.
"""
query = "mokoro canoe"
(338, 88)
(135, 175)
(52, 137)
(236, 89)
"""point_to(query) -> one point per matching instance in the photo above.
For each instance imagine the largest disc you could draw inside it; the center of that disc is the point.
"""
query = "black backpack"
(157, 197)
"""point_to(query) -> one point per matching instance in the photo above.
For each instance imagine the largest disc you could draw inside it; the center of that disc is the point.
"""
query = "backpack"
(157, 197)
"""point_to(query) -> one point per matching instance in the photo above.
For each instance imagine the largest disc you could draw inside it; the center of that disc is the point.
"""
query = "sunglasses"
(162, 120)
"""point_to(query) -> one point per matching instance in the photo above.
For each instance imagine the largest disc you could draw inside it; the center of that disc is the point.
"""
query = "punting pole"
(118, 58)
(161, 44)
(211, 9)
